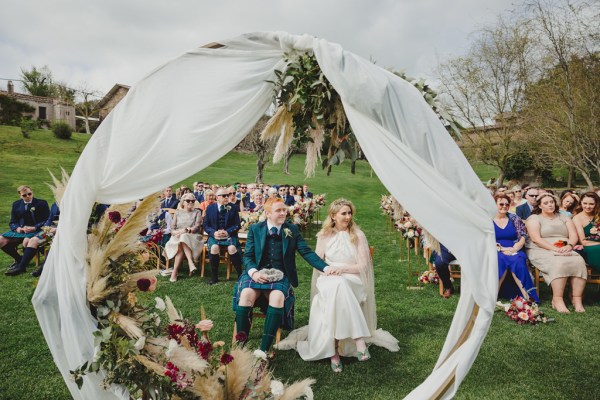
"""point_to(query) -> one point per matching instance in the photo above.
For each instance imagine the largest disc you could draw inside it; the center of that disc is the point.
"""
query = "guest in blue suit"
(524, 210)
(169, 201)
(31, 245)
(27, 217)
(221, 224)
(199, 191)
(306, 192)
(271, 247)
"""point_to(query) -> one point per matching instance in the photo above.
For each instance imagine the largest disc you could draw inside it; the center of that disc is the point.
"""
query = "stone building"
(46, 108)
(111, 99)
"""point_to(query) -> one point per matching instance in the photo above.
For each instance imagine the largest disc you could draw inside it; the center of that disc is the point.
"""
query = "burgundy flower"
(241, 337)
(114, 217)
(204, 348)
(147, 284)
(226, 358)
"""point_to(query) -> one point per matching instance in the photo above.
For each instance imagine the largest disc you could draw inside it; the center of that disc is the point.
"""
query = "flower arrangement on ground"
(525, 312)
(386, 205)
(430, 277)
(151, 358)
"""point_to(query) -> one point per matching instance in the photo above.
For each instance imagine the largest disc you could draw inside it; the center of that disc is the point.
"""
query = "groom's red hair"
(270, 202)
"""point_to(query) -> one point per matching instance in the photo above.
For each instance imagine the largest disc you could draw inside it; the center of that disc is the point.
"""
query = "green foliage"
(28, 125)
(11, 110)
(62, 130)
(38, 81)
(517, 164)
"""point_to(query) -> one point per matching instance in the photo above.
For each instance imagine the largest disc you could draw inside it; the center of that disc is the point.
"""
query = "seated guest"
(186, 235)
(169, 200)
(568, 203)
(552, 237)
(306, 192)
(518, 192)
(441, 262)
(524, 210)
(233, 199)
(272, 193)
(258, 201)
(30, 245)
(586, 223)
(209, 198)
(27, 217)
(199, 192)
(183, 190)
(221, 224)
(511, 196)
(156, 224)
(291, 197)
(510, 239)
(299, 194)
(244, 196)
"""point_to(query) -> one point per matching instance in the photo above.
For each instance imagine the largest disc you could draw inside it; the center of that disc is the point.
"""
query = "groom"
(271, 244)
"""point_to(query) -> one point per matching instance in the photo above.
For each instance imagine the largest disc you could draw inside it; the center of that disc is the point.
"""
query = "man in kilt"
(271, 247)
(221, 224)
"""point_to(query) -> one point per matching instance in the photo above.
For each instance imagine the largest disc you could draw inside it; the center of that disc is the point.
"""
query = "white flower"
(32, 209)
(410, 234)
(262, 218)
(309, 393)
(157, 321)
(288, 232)
(141, 342)
(258, 354)
(172, 346)
(160, 304)
(407, 224)
(276, 388)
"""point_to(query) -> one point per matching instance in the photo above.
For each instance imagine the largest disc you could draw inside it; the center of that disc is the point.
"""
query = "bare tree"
(86, 107)
(485, 90)
(563, 108)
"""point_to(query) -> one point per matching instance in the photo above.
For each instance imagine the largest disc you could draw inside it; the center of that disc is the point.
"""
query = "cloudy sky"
(119, 41)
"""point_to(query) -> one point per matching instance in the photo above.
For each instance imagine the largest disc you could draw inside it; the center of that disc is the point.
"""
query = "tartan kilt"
(262, 302)
(15, 235)
(229, 241)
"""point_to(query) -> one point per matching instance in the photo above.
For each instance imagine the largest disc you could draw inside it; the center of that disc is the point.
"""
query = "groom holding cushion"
(270, 272)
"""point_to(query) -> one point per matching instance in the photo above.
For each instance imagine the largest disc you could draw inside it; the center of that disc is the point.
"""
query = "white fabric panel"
(193, 110)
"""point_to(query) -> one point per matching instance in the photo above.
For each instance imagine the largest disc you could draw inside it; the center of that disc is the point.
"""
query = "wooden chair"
(454, 268)
(224, 259)
(593, 277)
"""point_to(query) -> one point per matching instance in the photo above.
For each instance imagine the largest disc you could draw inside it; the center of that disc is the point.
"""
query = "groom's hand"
(259, 278)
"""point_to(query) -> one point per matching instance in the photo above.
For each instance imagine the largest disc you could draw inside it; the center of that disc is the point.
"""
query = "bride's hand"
(333, 271)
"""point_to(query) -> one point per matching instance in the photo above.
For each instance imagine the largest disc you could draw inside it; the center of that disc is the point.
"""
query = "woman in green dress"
(587, 223)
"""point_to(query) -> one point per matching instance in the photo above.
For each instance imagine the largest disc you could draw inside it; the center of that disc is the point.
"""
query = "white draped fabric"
(197, 107)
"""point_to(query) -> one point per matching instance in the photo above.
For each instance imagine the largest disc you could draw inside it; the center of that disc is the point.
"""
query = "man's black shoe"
(38, 271)
(213, 282)
(15, 271)
(11, 266)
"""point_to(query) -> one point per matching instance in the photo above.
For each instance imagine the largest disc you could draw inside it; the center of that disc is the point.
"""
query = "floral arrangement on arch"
(151, 358)
(429, 277)
(302, 212)
(409, 228)
(386, 205)
(524, 311)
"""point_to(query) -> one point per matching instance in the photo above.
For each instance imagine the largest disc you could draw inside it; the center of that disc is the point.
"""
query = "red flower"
(204, 348)
(241, 337)
(560, 243)
(226, 358)
(146, 285)
(114, 217)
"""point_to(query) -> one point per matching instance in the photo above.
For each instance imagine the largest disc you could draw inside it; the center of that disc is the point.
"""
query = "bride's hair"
(329, 224)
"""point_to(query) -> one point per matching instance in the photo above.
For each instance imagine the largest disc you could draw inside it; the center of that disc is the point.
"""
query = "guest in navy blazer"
(27, 217)
(221, 224)
(169, 201)
(524, 210)
(306, 192)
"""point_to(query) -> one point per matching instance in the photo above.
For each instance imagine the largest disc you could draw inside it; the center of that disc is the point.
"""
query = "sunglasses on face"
(26, 194)
(223, 195)
(503, 204)
(190, 201)
(243, 187)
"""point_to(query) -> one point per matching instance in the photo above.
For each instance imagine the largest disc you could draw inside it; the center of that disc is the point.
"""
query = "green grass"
(553, 361)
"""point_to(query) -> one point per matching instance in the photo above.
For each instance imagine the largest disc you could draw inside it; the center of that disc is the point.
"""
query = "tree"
(86, 107)
(38, 81)
(485, 90)
(563, 106)
(11, 110)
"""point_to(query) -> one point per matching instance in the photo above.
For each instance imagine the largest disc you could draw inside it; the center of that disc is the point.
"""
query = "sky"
(99, 43)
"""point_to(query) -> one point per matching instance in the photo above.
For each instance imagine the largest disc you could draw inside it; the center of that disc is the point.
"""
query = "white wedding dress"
(342, 306)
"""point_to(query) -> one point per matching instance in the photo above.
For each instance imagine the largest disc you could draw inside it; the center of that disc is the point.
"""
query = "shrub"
(62, 130)
(28, 125)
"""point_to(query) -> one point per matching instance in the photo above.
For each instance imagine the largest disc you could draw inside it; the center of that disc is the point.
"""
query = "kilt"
(262, 302)
(15, 235)
(229, 241)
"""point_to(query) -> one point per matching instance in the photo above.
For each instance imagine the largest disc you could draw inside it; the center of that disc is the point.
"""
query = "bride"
(342, 319)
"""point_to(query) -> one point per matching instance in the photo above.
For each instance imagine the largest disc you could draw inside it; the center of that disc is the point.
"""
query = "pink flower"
(205, 325)
(114, 217)
(524, 316)
(226, 358)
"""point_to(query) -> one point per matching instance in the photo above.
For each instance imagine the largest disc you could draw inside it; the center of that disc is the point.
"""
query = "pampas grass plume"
(238, 372)
(207, 387)
(297, 390)
(174, 315)
(129, 325)
(151, 365)
(188, 360)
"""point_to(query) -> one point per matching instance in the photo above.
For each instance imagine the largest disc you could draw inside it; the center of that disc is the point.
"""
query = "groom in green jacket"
(270, 272)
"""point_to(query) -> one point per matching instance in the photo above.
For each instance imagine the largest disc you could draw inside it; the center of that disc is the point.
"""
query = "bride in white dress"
(343, 319)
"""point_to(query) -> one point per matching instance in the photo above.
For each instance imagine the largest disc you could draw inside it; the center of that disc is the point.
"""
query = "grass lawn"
(553, 361)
